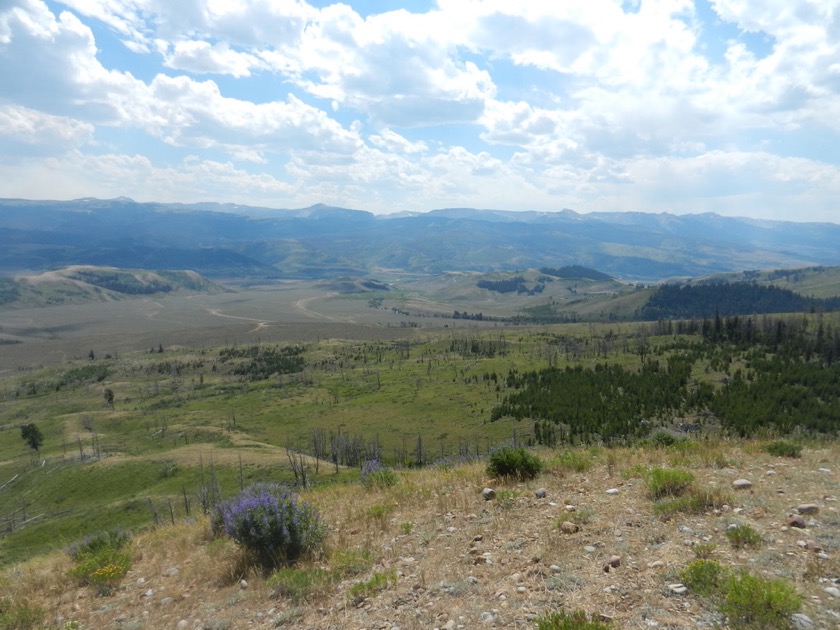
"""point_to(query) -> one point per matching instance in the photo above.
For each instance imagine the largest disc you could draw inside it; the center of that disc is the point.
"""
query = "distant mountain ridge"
(230, 240)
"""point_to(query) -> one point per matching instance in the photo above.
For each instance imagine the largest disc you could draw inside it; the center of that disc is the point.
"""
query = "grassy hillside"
(83, 283)
(152, 438)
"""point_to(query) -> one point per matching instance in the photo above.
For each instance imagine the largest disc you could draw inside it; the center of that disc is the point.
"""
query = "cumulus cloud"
(592, 104)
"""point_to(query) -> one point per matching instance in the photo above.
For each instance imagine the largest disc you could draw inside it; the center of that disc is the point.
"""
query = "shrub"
(662, 438)
(99, 559)
(663, 482)
(705, 577)
(116, 538)
(516, 463)
(271, 524)
(784, 448)
(376, 475)
(743, 536)
(577, 620)
(751, 602)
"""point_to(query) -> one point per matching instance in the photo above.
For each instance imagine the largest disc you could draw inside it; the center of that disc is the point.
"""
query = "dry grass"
(456, 556)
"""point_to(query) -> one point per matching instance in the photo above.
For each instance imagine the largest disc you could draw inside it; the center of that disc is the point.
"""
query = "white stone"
(742, 484)
(833, 591)
(613, 491)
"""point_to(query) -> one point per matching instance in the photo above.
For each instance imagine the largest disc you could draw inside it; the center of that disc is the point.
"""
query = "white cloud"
(205, 58)
(29, 132)
(581, 103)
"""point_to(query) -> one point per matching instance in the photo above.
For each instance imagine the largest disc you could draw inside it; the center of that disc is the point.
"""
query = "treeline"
(517, 284)
(782, 381)
(126, 283)
(263, 362)
(575, 272)
(673, 301)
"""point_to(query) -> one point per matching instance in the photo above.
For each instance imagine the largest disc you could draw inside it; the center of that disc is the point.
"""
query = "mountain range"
(228, 240)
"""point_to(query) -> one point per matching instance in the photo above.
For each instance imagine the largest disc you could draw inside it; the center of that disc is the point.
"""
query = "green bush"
(743, 536)
(784, 448)
(704, 577)
(668, 482)
(751, 602)
(662, 438)
(99, 559)
(515, 463)
(376, 475)
(577, 620)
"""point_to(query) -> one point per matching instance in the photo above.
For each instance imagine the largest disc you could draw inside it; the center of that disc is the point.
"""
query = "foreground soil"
(432, 552)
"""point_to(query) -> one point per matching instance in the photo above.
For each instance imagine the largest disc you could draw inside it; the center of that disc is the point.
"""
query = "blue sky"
(680, 106)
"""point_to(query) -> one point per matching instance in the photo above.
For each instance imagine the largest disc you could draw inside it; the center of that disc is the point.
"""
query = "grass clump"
(694, 502)
(668, 482)
(376, 583)
(743, 536)
(752, 602)
(271, 524)
(100, 560)
(377, 475)
(14, 616)
(573, 461)
(301, 583)
(748, 601)
(784, 448)
(514, 463)
(577, 620)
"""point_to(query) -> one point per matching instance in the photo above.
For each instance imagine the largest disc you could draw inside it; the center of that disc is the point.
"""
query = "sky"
(679, 106)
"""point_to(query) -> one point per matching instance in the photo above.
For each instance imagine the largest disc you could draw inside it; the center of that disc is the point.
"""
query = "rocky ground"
(434, 551)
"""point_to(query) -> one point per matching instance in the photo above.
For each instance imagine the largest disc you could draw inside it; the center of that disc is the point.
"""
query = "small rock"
(813, 545)
(656, 564)
(489, 494)
(449, 625)
(613, 491)
(172, 572)
(567, 527)
(677, 588)
(822, 555)
(141, 581)
(555, 568)
(570, 508)
(478, 538)
(808, 508)
(589, 549)
(801, 622)
(742, 484)
(243, 584)
(540, 493)
(487, 617)
(166, 601)
(182, 624)
(613, 563)
(794, 520)
(825, 470)
(770, 473)
(833, 591)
